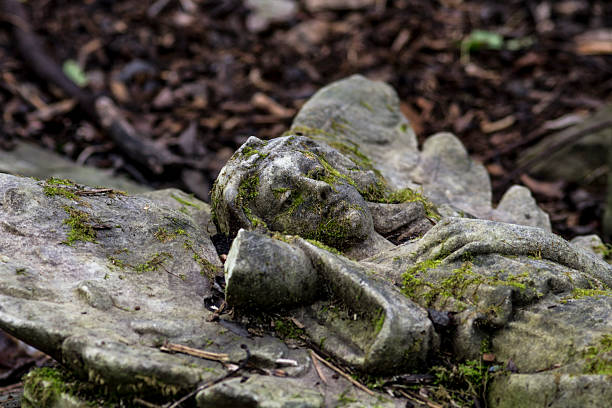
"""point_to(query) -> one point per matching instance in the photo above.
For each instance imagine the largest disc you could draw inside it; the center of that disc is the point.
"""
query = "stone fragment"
(318, 5)
(268, 274)
(266, 12)
(518, 206)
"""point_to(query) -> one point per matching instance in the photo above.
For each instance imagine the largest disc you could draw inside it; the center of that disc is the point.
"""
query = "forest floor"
(200, 76)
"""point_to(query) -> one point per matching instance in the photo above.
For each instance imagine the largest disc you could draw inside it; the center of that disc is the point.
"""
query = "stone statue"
(502, 283)
(386, 254)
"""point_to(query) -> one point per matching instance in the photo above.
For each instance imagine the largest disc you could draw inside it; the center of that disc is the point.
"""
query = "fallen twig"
(317, 367)
(11, 387)
(179, 348)
(342, 373)
(241, 366)
(419, 399)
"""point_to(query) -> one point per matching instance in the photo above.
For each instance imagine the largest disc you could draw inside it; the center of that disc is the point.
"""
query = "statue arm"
(456, 238)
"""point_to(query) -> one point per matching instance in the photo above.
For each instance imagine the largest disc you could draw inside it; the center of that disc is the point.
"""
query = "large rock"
(101, 280)
(504, 283)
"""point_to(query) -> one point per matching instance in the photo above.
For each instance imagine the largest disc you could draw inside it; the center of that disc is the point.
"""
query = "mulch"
(194, 77)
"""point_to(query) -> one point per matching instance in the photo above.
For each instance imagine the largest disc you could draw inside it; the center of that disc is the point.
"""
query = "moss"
(163, 235)
(605, 250)
(119, 263)
(278, 192)
(461, 383)
(404, 127)
(296, 199)
(407, 195)
(59, 181)
(339, 126)
(344, 399)
(518, 281)
(375, 192)
(248, 151)
(366, 105)
(81, 228)
(248, 188)
(207, 268)
(456, 284)
(330, 174)
(380, 321)
(579, 293)
(332, 232)
(63, 187)
(20, 271)
(67, 188)
(537, 255)
(154, 263)
(286, 329)
(598, 358)
(325, 247)
(48, 386)
(485, 346)
(185, 202)
(247, 192)
(411, 281)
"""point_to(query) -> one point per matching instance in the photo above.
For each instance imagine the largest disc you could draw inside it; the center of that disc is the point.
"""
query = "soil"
(195, 77)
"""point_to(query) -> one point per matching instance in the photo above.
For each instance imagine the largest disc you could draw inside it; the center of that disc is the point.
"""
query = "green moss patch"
(248, 151)
(247, 192)
(579, 293)
(460, 285)
(286, 329)
(81, 227)
(598, 358)
(184, 202)
(163, 235)
(62, 187)
(55, 386)
(153, 264)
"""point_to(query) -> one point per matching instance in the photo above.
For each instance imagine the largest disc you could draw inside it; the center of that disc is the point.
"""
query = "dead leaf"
(50, 111)
(594, 42)
(415, 119)
(552, 190)
(488, 357)
(119, 91)
(263, 101)
(492, 127)
(495, 169)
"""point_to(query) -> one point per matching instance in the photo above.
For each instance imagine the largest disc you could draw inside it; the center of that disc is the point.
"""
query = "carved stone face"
(300, 187)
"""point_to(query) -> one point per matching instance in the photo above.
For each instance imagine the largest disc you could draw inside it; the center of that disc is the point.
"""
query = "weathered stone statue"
(387, 255)
(505, 284)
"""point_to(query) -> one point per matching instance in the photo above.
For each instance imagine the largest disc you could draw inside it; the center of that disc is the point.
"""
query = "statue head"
(295, 185)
